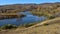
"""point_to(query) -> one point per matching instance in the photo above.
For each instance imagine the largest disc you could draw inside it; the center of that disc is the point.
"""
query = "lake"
(29, 18)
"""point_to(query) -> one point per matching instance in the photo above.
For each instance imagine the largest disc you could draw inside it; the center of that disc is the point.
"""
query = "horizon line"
(29, 3)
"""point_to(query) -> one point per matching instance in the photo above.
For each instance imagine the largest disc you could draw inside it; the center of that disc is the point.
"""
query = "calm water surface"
(29, 18)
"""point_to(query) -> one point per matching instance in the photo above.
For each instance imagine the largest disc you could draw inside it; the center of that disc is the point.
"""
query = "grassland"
(53, 27)
(50, 10)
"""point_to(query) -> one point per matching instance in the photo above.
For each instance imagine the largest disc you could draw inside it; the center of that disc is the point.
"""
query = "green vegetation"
(28, 25)
(8, 26)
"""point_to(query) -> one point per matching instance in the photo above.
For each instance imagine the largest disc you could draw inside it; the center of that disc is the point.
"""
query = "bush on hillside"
(9, 26)
(29, 25)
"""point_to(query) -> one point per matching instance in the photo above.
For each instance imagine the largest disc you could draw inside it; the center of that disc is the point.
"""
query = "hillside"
(46, 9)
(47, 27)
(49, 10)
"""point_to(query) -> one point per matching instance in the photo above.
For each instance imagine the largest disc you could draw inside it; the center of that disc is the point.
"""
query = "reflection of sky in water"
(8, 21)
(28, 19)
(26, 13)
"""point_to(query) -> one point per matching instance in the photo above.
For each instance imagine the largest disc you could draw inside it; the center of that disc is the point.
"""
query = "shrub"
(51, 17)
(28, 25)
(9, 26)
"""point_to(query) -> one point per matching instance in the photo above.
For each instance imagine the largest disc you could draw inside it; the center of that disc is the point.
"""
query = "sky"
(6, 2)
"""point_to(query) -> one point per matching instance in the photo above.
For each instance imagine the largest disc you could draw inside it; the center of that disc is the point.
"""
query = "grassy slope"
(53, 27)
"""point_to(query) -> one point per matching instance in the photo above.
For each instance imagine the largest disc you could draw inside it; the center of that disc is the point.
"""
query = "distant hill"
(44, 8)
(23, 7)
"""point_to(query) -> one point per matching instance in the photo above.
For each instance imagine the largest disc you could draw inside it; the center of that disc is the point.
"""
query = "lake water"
(29, 18)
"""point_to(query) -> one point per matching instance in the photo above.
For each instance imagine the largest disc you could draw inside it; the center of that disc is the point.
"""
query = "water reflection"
(29, 18)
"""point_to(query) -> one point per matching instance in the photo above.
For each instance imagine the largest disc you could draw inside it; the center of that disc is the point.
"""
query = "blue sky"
(4, 2)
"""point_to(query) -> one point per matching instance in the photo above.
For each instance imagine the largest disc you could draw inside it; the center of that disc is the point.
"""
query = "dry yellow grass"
(8, 14)
(53, 27)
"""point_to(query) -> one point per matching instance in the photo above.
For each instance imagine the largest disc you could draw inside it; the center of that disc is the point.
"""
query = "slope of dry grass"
(53, 27)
